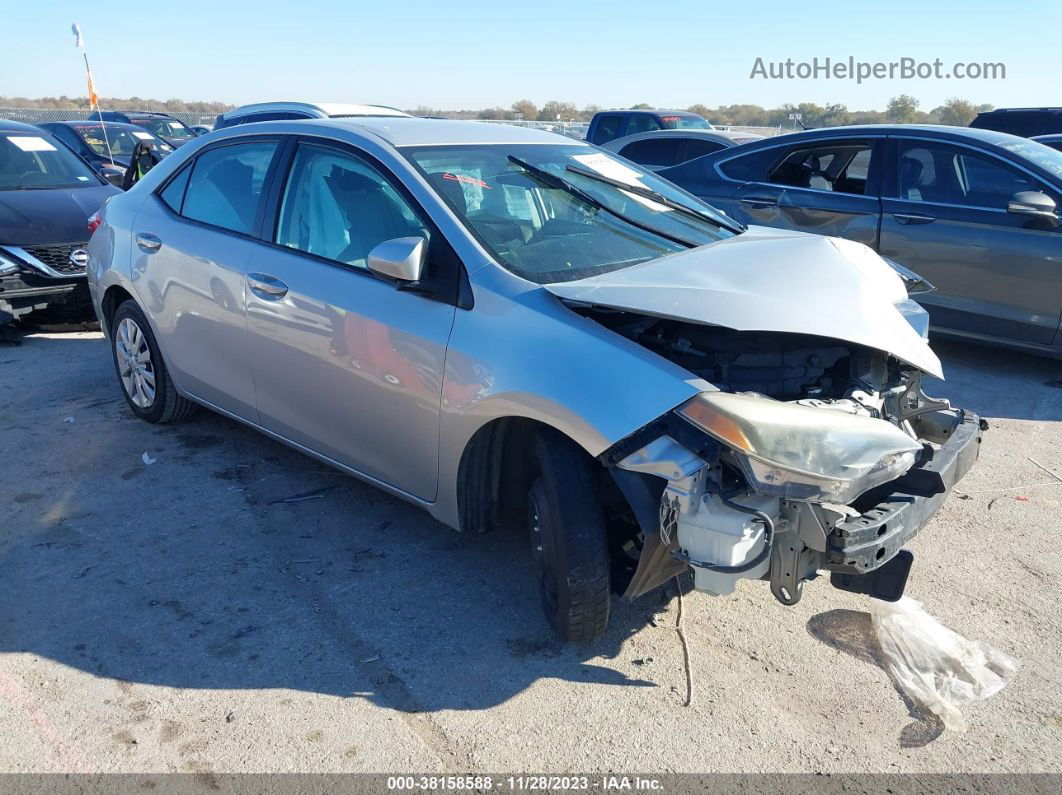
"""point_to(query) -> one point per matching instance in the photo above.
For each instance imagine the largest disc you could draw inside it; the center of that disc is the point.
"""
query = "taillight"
(94, 222)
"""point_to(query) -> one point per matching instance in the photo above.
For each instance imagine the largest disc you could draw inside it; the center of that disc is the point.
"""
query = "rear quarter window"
(752, 167)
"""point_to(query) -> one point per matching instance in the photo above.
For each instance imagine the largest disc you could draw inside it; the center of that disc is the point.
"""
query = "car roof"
(1052, 137)
(328, 108)
(1025, 110)
(650, 110)
(412, 131)
(942, 131)
(110, 125)
(8, 125)
(722, 136)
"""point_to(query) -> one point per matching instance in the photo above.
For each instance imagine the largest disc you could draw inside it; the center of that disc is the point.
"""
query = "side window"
(173, 193)
(338, 207)
(948, 175)
(696, 147)
(226, 184)
(654, 151)
(751, 167)
(837, 166)
(607, 128)
(642, 122)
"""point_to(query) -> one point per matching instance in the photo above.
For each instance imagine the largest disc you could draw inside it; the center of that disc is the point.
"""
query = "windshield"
(684, 121)
(32, 162)
(1044, 156)
(122, 141)
(170, 129)
(547, 234)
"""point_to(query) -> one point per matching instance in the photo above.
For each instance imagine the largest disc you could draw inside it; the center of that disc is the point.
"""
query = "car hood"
(770, 280)
(36, 217)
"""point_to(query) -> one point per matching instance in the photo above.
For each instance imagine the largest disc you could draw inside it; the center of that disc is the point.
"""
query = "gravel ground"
(180, 616)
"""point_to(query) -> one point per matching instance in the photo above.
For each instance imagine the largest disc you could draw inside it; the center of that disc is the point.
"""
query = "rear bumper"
(866, 542)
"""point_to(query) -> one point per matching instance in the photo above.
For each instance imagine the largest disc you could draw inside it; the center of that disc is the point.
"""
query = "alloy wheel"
(135, 367)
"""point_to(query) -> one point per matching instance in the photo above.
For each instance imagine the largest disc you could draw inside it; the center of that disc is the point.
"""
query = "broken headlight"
(802, 452)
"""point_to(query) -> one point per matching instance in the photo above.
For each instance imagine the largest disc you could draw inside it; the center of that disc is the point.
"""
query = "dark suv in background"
(1026, 122)
(610, 124)
(173, 131)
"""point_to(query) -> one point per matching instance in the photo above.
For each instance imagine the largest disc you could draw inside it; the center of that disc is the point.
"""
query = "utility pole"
(79, 42)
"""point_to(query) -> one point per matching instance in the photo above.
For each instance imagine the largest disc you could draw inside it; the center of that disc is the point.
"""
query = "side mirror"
(401, 259)
(1034, 204)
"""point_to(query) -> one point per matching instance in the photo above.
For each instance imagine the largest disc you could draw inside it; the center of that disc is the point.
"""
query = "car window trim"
(241, 140)
(457, 283)
(899, 139)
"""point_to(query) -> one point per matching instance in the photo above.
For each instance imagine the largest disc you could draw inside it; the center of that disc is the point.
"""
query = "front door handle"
(759, 201)
(148, 242)
(913, 218)
(266, 286)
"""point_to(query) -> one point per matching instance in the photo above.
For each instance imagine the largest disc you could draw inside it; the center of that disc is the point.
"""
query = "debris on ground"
(934, 666)
(148, 460)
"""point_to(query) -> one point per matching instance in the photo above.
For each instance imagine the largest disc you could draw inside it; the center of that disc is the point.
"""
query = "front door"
(345, 363)
(997, 274)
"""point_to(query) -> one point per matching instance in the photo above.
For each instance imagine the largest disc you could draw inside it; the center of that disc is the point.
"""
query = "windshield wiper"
(554, 181)
(648, 193)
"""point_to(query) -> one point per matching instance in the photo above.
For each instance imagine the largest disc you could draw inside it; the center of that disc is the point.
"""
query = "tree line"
(903, 109)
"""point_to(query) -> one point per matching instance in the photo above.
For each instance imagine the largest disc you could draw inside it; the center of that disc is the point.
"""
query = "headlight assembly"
(802, 452)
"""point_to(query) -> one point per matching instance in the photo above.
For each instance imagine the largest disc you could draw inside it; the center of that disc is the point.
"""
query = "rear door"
(945, 217)
(345, 363)
(193, 240)
(828, 187)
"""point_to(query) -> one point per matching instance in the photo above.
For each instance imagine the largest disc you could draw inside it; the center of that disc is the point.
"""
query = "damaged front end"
(812, 455)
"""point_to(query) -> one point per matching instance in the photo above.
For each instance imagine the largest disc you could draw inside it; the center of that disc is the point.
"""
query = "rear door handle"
(759, 201)
(913, 218)
(266, 286)
(148, 242)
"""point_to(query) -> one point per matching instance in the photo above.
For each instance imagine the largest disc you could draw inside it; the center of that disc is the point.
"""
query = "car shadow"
(994, 382)
(852, 632)
(232, 562)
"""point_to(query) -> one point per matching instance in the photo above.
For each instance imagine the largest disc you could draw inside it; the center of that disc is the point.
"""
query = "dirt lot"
(181, 616)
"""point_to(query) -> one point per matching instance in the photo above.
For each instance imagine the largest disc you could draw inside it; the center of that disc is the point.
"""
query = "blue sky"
(477, 54)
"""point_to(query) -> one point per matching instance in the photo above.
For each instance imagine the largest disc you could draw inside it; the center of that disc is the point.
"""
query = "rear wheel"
(569, 546)
(141, 370)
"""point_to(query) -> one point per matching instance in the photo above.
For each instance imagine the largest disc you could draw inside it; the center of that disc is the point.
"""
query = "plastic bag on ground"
(935, 666)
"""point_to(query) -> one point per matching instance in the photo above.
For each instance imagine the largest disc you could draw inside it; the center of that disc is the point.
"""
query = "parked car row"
(511, 328)
(647, 369)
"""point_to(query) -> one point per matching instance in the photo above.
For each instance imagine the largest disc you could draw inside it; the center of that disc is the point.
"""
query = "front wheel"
(569, 546)
(142, 373)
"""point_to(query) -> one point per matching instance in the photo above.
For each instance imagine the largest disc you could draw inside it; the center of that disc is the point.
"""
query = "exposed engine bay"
(815, 454)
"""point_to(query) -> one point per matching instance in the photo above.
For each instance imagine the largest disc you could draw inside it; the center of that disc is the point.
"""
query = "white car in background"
(287, 111)
(664, 148)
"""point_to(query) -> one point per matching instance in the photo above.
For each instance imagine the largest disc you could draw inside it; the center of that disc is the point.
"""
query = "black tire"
(569, 545)
(165, 405)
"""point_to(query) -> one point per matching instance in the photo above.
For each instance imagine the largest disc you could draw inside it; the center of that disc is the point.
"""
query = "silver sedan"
(512, 328)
